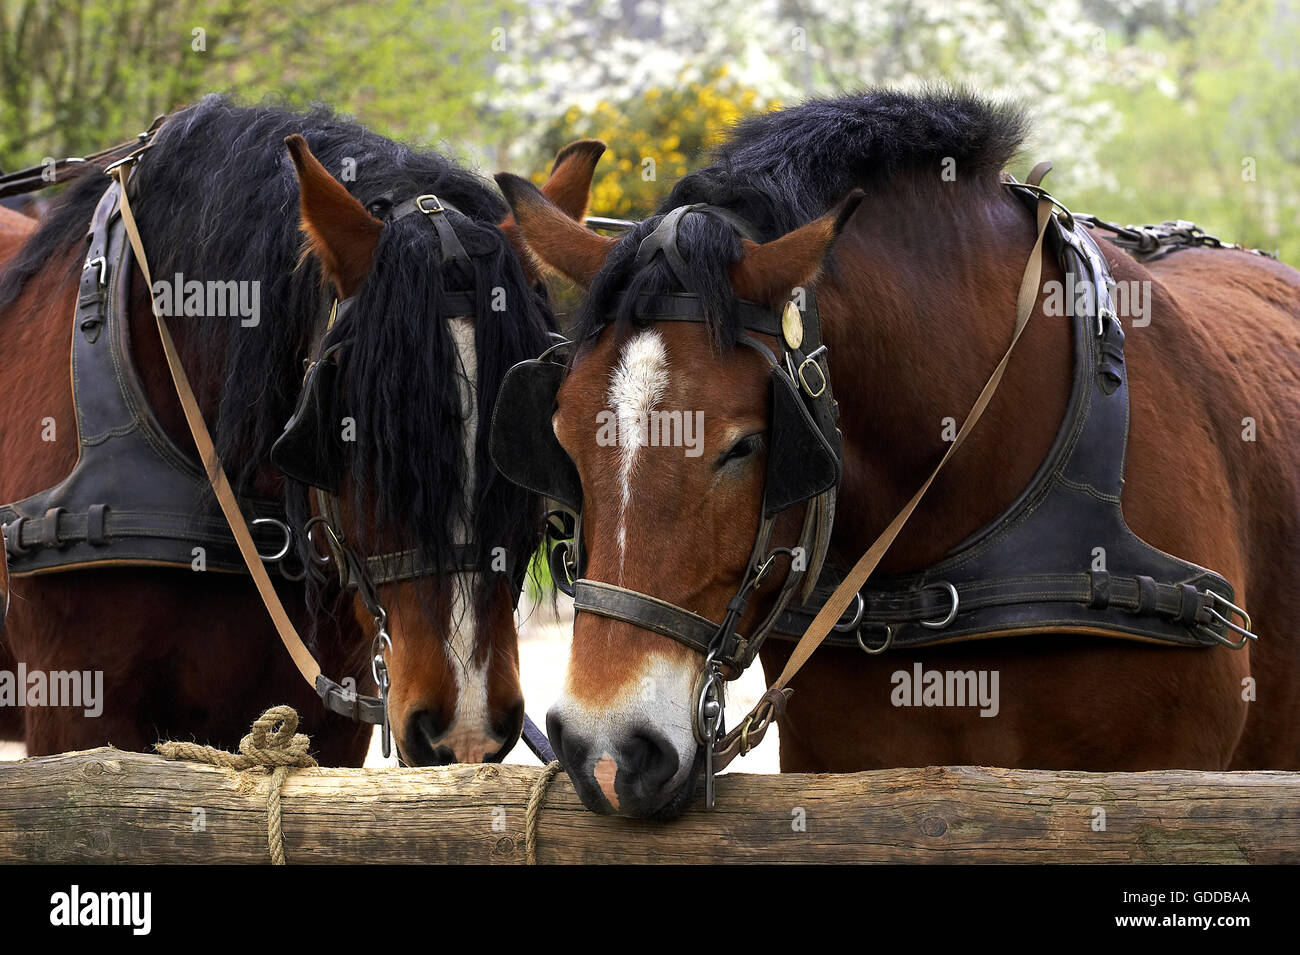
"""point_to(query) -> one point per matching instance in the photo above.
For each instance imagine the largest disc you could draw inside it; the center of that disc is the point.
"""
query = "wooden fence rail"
(105, 805)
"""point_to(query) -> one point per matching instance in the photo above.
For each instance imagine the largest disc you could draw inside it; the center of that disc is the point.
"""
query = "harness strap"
(753, 727)
(101, 523)
(302, 657)
(35, 178)
(660, 616)
(1181, 602)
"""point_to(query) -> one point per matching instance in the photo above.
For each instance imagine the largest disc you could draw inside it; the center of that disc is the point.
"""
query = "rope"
(273, 744)
(535, 800)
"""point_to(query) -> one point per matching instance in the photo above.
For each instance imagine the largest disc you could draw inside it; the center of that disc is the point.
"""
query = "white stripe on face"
(636, 385)
(468, 735)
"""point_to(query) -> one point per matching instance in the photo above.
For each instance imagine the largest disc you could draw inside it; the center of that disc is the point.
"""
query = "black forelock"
(399, 382)
(782, 169)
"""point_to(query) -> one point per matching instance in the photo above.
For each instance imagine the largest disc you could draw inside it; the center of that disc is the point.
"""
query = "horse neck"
(918, 311)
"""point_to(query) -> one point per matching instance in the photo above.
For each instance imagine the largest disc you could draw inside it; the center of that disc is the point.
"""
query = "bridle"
(310, 452)
(804, 467)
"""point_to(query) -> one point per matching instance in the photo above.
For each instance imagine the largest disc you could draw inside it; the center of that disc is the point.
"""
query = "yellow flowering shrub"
(654, 139)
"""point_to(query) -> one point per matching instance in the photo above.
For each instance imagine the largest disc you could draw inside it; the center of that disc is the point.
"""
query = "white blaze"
(635, 387)
(468, 734)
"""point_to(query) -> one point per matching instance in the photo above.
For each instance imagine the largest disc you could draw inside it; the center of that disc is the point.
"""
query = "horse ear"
(767, 272)
(569, 184)
(568, 188)
(340, 231)
(557, 240)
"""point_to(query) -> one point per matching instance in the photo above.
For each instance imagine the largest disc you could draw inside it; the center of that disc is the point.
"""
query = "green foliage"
(1211, 133)
(76, 75)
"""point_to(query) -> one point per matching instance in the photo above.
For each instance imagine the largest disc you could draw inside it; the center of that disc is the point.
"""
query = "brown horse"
(184, 654)
(917, 285)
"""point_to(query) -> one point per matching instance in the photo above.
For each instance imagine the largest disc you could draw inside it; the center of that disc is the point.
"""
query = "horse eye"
(380, 208)
(743, 448)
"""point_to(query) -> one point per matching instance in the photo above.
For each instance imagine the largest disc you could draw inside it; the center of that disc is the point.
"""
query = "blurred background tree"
(1151, 109)
(76, 75)
(653, 138)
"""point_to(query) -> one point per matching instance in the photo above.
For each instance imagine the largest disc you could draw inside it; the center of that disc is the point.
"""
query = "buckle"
(1232, 610)
(101, 263)
(429, 197)
(821, 375)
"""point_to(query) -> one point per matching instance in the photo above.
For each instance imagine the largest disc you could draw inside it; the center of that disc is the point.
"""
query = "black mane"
(783, 169)
(217, 199)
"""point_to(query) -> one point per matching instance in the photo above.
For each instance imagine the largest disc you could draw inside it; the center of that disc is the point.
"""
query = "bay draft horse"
(190, 655)
(917, 291)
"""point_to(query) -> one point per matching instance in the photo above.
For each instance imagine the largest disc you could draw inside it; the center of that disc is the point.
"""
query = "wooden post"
(104, 805)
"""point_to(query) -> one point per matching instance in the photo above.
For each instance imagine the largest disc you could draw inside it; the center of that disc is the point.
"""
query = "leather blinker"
(523, 443)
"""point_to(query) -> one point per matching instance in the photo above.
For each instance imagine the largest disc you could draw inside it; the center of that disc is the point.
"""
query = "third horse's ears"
(568, 189)
(556, 240)
(768, 271)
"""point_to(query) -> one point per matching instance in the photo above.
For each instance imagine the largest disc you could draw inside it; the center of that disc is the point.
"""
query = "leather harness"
(1022, 571)
(133, 497)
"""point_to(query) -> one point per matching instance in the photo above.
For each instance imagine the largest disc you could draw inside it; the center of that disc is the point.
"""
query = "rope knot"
(275, 744)
(275, 740)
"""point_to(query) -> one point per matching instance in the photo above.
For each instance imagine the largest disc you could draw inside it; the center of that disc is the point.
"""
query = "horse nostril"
(428, 725)
(649, 759)
(510, 725)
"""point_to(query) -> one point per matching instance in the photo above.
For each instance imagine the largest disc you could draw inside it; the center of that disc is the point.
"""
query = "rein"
(33, 178)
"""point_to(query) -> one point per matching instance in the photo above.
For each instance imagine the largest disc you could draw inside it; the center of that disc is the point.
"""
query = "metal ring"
(889, 641)
(378, 664)
(710, 692)
(288, 539)
(860, 609)
(317, 558)
(952, 611)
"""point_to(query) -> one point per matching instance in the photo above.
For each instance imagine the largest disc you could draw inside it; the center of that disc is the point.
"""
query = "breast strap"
(1061, 558)
(133, 497)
